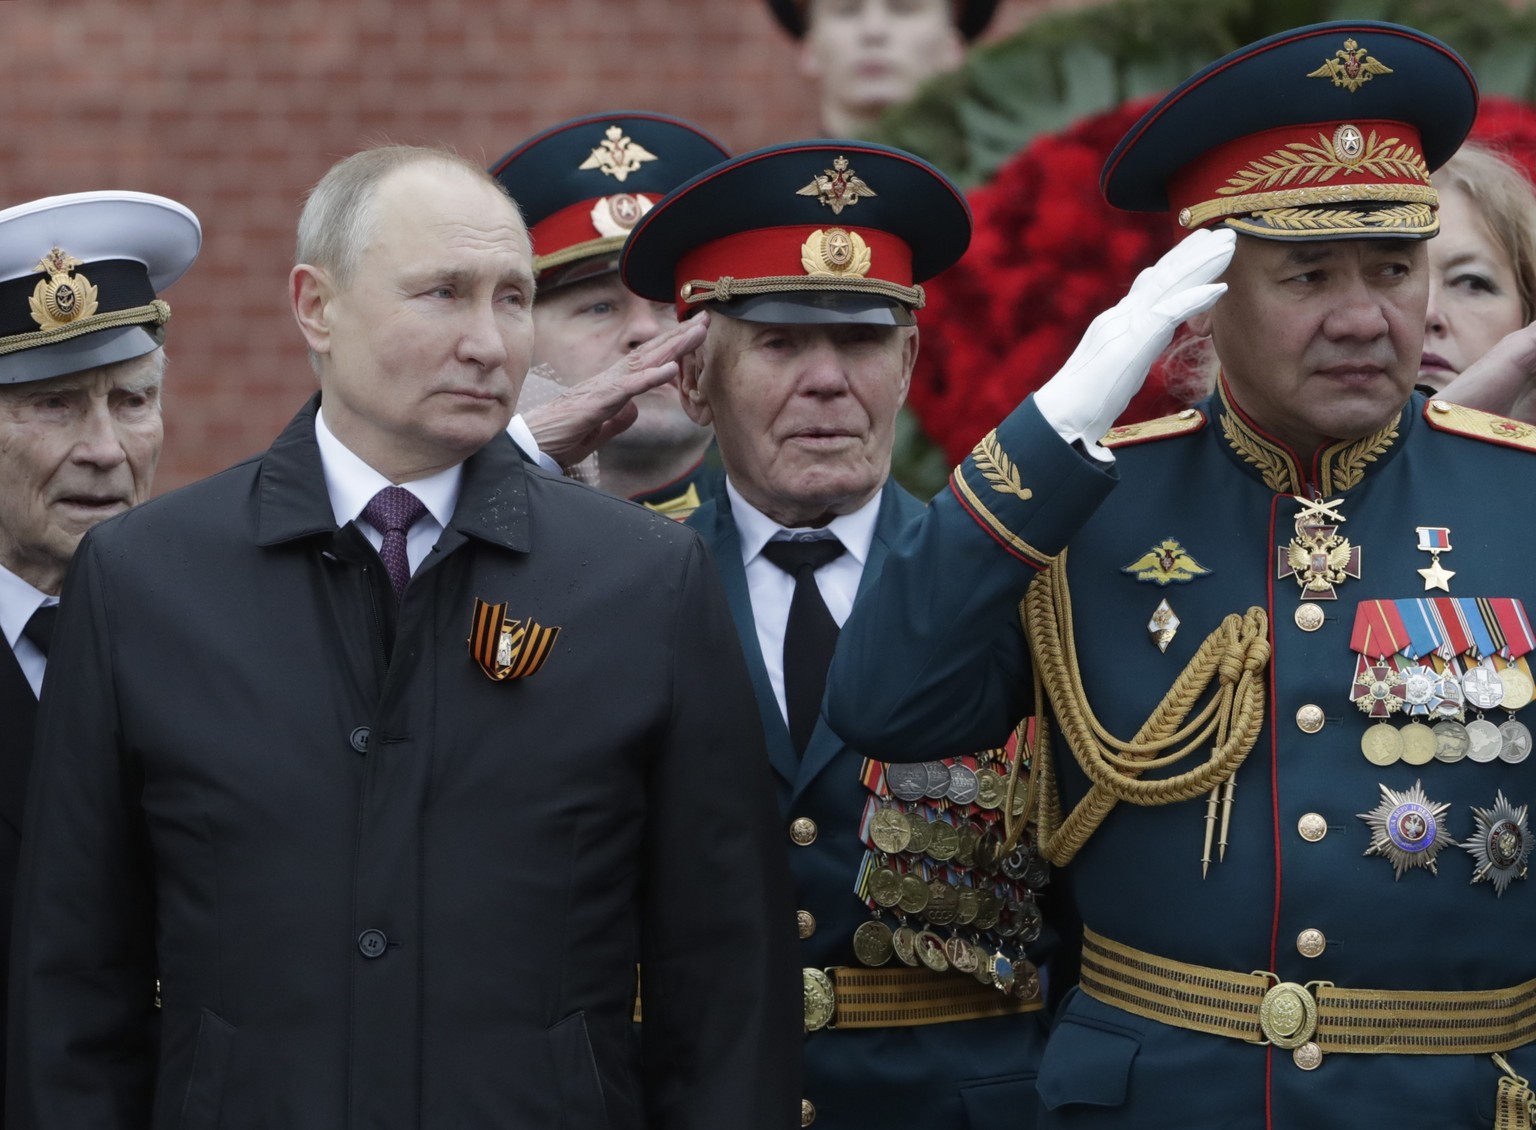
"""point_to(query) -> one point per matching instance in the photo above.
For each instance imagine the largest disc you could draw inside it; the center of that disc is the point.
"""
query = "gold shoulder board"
(1444, 416)
(1179, 424)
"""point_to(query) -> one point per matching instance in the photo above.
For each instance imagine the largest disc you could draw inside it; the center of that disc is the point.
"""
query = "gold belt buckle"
(820, 999)
(1288, 1012)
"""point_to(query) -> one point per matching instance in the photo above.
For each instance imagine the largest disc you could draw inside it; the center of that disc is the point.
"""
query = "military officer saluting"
(1279, 643)
(916, 925)
(582, 186)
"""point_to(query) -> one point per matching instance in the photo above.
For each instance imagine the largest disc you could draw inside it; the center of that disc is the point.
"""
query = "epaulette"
(1444, 416)
(1145, 431)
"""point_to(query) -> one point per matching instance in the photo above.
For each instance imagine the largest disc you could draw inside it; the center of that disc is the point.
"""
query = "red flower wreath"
(1047, 256)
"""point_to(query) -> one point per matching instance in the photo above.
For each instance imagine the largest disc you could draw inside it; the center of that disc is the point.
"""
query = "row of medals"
(1445, 695)
(995, 910)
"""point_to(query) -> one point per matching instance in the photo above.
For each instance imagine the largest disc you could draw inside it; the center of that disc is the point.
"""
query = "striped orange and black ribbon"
(527, 645)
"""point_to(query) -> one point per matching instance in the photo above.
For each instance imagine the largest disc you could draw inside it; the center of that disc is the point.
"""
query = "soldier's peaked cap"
(1320, 132)
(80, 279)
(810, 231)
(584, 183)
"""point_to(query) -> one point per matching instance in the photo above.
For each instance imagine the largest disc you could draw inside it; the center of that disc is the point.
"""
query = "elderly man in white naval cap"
(81, 360)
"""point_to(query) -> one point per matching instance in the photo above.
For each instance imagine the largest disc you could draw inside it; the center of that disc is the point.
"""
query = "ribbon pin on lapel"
(508, 649)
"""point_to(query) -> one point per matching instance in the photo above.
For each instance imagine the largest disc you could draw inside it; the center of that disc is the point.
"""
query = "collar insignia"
(617, 156)
(508, 649)
(1351, 67)
(1166, 563)
(838, 187)
(64, 296)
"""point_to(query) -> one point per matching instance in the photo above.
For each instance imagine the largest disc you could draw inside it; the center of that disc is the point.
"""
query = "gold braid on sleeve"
(1230, 662)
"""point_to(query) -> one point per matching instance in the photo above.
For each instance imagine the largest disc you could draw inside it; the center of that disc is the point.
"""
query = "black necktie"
(39, 629)
(810, 635)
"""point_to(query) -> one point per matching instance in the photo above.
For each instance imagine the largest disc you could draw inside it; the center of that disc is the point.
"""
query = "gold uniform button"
(1310, 718)
(807, 1112)
(806, 922)
(1309, 617)
(1311, 943)
(1312, 827)
(802, 830)
(1308, 1057)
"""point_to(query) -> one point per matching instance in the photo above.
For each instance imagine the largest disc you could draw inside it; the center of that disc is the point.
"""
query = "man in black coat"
(80, 430)
(391, 787)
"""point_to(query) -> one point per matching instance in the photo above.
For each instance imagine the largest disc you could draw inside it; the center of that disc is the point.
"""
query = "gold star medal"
(1435, 540)
(1407, 829)
(1501, 843)
(1318, 557)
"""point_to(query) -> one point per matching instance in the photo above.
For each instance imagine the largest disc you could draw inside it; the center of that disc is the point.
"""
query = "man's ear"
(689, 387)
(311, 291)
(1200, 324)
(908, 360)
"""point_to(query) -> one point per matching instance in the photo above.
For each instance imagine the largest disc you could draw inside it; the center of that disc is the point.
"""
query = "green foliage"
(1066, 66)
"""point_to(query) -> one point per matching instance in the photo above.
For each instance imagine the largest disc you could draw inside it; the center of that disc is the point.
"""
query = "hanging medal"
(1435, 540)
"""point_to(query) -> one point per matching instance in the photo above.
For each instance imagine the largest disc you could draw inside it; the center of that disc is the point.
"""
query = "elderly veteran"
(81, 362)
(921, 1007)
(582, 185)
(1279, 643)
(329, 764)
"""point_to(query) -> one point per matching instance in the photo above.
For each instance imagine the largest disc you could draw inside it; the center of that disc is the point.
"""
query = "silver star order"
(1397, 812)
(1501, 843)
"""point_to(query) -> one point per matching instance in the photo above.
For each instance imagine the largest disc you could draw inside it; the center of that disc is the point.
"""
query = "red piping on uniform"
(1232, 405)
(990, 532)
(1274, 803)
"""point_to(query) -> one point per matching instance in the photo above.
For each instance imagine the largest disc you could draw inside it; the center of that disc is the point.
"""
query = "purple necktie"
(392, 512)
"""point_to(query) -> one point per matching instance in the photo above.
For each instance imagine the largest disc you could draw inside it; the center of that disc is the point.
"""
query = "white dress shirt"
(18, 600)
(351, 483)
(771, 588)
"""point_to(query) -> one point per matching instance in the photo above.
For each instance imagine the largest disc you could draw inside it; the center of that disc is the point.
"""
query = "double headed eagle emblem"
(838, 187)
(616, 155)
(1351, 67)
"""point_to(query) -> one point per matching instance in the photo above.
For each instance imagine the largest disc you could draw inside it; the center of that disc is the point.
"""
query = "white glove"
(1108, 366)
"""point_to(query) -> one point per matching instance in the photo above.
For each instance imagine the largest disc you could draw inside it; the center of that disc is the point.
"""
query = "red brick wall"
(236, 106)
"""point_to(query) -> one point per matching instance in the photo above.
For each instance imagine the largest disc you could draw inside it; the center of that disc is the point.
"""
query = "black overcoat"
(380, 889)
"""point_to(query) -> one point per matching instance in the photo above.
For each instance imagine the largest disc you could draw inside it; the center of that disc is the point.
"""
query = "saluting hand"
(1109, 365)
(587, 415)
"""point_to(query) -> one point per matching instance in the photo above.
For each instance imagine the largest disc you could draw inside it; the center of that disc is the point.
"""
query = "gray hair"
(339, 217)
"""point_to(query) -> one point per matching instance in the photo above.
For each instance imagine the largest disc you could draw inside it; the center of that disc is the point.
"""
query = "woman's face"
(1473, 298)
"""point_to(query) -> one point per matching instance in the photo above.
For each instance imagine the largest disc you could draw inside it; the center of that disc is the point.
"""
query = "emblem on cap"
(838, 187)
(1501, 843)
(617, 155)
(613, 216)
(1407, 828)
(64, 296)
(834, 251)
(1351, 67)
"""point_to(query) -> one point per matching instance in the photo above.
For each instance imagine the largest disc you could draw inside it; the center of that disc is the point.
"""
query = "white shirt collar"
(755, 529)
(352, 483)
(18, 600)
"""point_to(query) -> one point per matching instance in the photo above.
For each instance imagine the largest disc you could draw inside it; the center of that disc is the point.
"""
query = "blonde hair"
(1506, 200)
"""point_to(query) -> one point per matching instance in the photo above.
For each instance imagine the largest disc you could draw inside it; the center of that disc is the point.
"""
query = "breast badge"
(1500, 843)
(1407, 829)
(1318, 556)
(508, 649)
